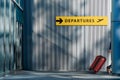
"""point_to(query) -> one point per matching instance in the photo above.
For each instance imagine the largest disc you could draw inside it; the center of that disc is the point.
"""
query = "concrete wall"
(51, 48)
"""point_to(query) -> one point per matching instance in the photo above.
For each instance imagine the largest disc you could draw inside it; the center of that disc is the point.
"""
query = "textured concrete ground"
(29, 75)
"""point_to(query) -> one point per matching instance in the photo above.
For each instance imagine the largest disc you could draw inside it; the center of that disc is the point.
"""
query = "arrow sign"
(99, 20)
(60, 20)
(82, 20)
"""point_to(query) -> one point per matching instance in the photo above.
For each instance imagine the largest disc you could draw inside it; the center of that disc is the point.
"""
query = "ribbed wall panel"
(9, 37)
(68, 48)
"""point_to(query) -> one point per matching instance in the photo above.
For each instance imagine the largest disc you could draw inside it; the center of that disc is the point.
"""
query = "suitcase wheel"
(90, 69)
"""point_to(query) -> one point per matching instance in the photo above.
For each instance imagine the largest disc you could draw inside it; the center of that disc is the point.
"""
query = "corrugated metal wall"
(9, 36)
(6, 36)
(67, 48)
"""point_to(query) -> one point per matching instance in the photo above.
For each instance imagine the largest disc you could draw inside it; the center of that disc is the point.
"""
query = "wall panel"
(8, 31)
(64, 48)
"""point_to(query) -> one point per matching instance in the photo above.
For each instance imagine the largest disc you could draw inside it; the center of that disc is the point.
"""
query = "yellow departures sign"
(81, 20)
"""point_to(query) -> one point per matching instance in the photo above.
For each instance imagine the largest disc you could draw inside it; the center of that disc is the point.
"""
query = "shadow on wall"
(60, 38)
(27, 35)
(6, 36)
(50, 38)
(47, 46)
(101, 45)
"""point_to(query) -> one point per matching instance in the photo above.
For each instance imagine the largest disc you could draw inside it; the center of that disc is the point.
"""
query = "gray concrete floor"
(29, 75)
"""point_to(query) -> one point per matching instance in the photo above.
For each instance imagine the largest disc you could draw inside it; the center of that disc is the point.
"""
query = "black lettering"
(79, 20)
(67, 20)
(72, 20)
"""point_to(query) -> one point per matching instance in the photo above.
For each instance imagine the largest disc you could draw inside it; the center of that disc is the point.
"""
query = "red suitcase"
(98, 63)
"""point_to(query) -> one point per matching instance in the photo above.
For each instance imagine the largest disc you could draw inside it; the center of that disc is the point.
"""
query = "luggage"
(98, 63)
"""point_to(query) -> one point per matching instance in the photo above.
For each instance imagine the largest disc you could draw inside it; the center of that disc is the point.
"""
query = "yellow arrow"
(82, 20)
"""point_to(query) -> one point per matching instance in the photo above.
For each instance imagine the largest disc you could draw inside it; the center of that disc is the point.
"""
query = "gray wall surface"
(48, 47)
(9, 36)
